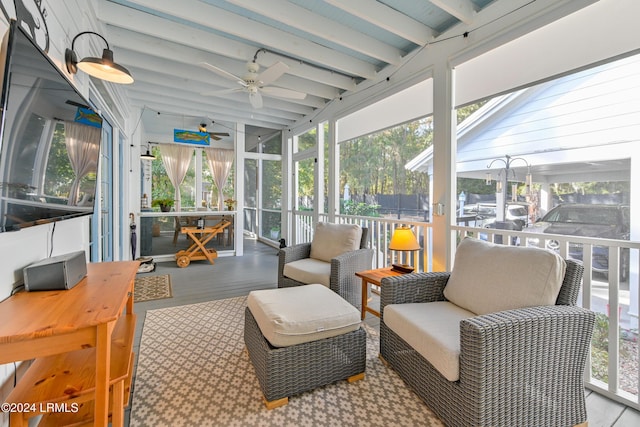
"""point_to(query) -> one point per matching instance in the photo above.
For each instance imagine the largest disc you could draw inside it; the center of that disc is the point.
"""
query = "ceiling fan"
(256, 84)
(213, 135)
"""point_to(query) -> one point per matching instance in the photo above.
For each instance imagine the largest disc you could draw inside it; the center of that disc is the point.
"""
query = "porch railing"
(380, 232)
(613, 366)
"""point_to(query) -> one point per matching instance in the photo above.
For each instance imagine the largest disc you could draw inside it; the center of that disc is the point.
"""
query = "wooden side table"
(82, 341)
(373, 277)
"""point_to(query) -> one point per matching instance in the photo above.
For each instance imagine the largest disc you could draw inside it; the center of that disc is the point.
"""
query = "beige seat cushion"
(308, 270)
(290, 316)
(433, 330)
(331, 240)
(488, 277)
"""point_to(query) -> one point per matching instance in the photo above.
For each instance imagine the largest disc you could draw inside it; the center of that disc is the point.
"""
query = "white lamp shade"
(111, 73)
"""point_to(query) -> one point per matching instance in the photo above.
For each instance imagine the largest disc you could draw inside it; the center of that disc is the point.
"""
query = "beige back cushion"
(331, 240)
(488, 277)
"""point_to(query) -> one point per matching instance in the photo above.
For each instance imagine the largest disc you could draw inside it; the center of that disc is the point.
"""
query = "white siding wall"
(18, 249)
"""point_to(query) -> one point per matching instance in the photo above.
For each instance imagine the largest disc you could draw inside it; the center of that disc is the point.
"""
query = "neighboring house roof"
(577, 127)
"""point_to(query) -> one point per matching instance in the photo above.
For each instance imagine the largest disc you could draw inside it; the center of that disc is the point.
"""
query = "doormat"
(147, 288)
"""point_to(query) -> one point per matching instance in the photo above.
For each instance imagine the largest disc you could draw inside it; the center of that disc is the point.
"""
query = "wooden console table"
(81, 340)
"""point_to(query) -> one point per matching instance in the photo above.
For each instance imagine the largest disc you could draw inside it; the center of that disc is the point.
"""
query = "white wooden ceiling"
(330, 46)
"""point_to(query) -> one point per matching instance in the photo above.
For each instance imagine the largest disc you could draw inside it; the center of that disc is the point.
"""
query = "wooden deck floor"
(237, 276)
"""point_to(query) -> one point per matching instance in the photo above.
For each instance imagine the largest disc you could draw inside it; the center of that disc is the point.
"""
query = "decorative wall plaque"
(30, 15)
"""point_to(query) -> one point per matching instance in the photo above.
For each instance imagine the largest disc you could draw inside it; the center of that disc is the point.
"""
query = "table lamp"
(403, 239)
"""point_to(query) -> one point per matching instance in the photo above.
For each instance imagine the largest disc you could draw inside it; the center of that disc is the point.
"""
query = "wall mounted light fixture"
(147, 155)
(103, 68)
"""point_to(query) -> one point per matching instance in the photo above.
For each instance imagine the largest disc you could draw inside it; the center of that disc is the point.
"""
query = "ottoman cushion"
(300, 314)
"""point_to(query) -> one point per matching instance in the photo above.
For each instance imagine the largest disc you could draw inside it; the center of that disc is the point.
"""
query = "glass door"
(102, 223)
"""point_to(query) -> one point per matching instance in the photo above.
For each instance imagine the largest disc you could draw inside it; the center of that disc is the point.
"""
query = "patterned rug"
(193, 370)
(147, 288)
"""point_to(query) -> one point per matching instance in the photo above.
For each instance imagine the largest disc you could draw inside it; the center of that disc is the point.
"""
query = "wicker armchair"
(342, 279)
(520, 367)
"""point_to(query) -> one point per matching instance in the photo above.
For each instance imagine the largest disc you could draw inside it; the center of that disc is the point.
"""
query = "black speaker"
(55, 273)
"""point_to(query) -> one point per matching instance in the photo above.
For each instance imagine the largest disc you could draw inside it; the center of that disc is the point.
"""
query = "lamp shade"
(147, 155)
(403, 239)
(104, 68)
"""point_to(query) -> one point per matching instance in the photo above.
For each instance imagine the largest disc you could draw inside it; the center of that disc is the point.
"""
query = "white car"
(516, 212)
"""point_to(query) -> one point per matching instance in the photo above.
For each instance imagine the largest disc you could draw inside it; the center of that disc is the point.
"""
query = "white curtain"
(83, 146)
(176, 159)
(220, 161)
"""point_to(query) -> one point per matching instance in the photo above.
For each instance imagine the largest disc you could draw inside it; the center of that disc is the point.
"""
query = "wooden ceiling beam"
(305, 20)
(387, 18)
(262, 35)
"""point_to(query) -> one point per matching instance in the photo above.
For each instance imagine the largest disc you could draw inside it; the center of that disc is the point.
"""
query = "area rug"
(147, 288)
(193, 370)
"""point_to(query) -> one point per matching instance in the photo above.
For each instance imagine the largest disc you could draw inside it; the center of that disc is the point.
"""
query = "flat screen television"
(49, 140)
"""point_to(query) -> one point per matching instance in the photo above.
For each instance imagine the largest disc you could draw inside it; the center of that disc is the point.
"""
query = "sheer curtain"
(220, 161)
(83, 145)
(176, 159)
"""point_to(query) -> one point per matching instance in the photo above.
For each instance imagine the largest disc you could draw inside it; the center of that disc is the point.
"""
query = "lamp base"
(401, 268)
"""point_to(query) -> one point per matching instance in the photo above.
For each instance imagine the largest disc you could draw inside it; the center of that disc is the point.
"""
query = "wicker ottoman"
(302, 361)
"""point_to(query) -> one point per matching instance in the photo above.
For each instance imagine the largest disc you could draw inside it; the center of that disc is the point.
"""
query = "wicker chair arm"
(542, 346)
(295, 252)
(412, 288)
(354, 256)
(343, 274)
(349, 263)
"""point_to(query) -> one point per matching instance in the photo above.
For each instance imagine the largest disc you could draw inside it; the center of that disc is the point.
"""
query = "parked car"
(515, 212)
(588, 220)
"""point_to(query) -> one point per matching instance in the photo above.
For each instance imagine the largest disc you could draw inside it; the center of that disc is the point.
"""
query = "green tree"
(59, 173)
(375, 163)
(161, 187)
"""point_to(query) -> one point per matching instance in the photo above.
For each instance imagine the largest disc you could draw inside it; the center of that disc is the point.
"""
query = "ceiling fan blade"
(217, 136)
(283, 93)
(272, 73)
(256, 99)
(220, 92)
(222, 72)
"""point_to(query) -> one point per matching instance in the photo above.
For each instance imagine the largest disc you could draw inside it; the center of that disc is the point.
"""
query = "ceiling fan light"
(255, 99)
(255, 83)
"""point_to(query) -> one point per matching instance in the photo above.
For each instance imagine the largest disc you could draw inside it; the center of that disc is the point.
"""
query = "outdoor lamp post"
(502, 182)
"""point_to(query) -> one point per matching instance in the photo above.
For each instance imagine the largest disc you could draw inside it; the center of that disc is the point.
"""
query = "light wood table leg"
(17, 419)
(117, 410)
(365, 298)
(103, 366)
